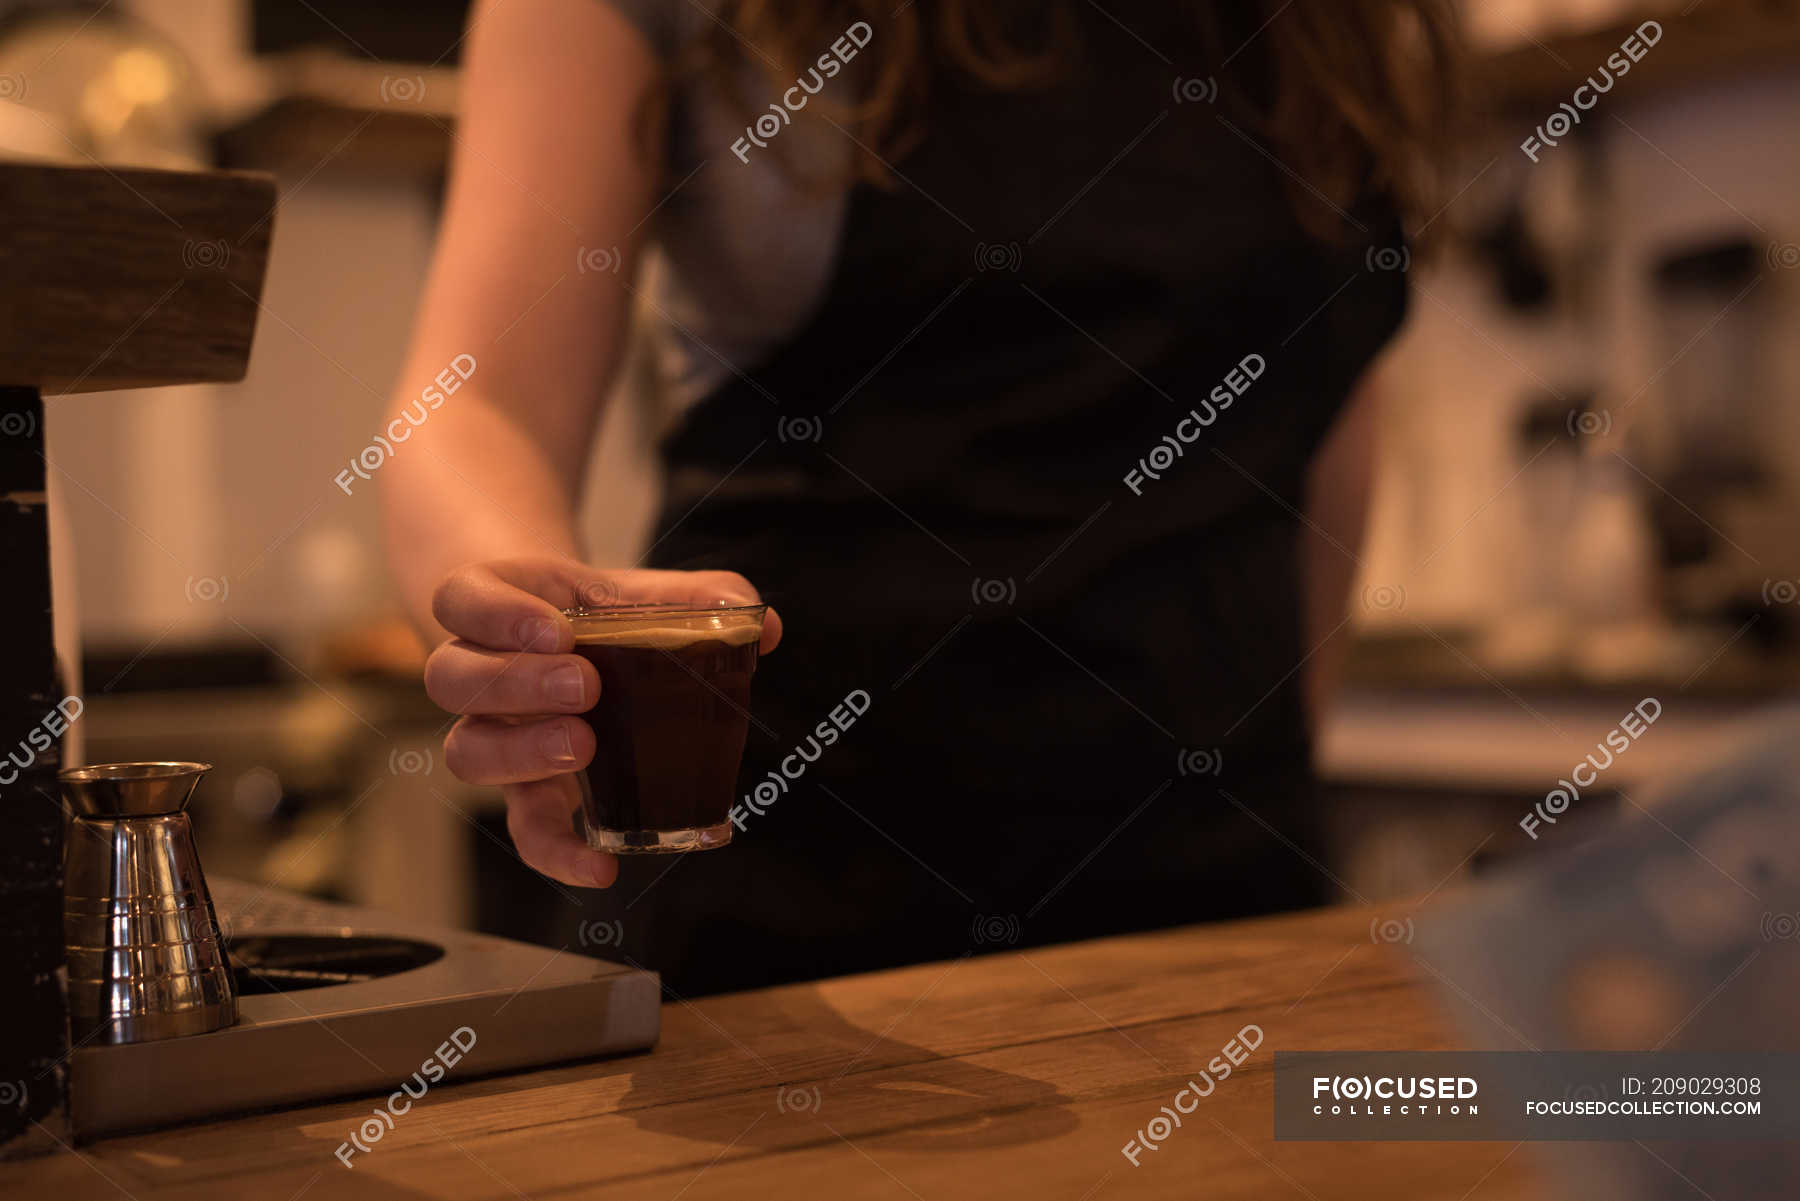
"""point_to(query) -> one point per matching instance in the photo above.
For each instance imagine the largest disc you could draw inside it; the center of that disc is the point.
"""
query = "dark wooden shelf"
(306, 132)
(375, 119)
(126, 277)
(333, 108)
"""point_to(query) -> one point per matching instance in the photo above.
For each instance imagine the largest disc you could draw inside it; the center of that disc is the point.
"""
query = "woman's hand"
(508, 668)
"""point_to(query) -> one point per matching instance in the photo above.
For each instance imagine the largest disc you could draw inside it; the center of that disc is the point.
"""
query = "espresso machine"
(137, 992)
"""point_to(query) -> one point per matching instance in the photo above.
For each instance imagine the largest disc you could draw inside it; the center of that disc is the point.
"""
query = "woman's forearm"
(470, 485)
(1338, 483)
(553, 170)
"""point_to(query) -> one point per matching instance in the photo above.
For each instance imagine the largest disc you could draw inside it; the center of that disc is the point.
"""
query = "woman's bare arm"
(551, 177)
(551, 182)
(1338, 481)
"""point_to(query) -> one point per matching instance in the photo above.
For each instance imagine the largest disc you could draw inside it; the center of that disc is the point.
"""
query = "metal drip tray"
(334, 1000)
(268, 963)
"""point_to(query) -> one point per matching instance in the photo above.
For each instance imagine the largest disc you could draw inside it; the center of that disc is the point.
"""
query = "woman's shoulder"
(667, 25)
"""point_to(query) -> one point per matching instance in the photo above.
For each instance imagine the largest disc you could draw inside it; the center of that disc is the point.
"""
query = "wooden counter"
(1020, 1074)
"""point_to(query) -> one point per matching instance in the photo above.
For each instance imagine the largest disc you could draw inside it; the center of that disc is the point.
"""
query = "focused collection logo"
(1394, 1096)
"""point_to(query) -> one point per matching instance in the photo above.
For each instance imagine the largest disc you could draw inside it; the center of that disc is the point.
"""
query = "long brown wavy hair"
(1359, 94)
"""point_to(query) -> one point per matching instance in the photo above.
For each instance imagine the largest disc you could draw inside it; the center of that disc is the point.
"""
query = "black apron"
(1084, 708)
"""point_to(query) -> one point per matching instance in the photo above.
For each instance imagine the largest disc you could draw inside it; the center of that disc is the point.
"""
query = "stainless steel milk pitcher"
(145, 954)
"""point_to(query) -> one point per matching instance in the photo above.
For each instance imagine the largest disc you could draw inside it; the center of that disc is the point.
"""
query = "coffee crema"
(667, 638)
(670, 724)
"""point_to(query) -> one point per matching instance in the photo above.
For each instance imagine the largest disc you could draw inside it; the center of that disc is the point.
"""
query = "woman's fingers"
(463, 678)
(771, 632)
(516, 604)
(538, 818)
(509, 657)
(509, 605)
(700, 589)
(488, 750)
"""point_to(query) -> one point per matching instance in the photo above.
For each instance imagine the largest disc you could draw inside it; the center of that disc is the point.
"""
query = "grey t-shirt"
(744, 242)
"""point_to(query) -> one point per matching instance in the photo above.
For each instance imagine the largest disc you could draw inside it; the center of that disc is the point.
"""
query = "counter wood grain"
(1017, 1074)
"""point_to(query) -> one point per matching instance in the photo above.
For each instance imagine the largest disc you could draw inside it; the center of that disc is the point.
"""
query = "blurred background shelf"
(399, 115)
(1705, 41)
(1718, 664)
(358, 115)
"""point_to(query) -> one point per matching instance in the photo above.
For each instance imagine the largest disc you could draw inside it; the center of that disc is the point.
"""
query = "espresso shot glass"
(670, 724)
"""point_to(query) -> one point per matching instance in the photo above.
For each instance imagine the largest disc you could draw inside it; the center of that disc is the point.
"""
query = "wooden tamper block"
(110, 277)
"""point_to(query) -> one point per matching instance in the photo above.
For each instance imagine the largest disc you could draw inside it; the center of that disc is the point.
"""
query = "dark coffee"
(669, 728)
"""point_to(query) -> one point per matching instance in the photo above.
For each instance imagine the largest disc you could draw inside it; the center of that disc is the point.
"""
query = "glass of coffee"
(670, 724)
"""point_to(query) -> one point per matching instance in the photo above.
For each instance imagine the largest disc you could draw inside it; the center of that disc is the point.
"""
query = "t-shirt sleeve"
(666, 24)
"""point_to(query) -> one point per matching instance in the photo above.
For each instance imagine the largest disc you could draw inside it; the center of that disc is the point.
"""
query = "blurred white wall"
(1684, 165)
